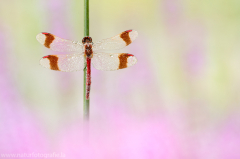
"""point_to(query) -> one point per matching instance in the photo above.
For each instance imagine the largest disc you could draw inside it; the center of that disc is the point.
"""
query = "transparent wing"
(66, 63)
(58, 44)
(111, 62)
(117, 42)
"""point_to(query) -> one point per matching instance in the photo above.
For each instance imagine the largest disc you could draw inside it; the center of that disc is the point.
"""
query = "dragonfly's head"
(87, 39)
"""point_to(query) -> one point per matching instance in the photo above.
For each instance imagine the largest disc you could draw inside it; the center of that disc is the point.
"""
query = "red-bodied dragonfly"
(89, 51)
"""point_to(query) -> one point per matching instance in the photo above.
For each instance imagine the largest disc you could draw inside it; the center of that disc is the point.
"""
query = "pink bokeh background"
(180, 101)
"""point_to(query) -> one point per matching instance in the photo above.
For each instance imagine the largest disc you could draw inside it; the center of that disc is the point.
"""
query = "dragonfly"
(89, 52)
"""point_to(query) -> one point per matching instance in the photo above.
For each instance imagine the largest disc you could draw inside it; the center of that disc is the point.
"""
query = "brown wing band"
(53, 62)
(49, 39)
(126, 38)
(123, 60)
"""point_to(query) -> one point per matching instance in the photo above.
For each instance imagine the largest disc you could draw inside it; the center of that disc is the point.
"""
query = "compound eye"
(86, 39)
(89, 39)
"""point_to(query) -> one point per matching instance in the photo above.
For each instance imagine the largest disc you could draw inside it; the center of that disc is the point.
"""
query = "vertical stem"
(86, 17)
(86, 33)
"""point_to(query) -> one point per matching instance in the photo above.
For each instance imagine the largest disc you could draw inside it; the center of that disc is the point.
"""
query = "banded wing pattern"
(75, 62)
(111, 62)
(87, 50)
(117, 42)
(66, 63)
(58, 44)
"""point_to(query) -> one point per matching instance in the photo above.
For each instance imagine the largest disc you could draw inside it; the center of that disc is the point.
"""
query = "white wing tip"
(45, 62)
(132, 60)
(41, 38)
(133, 34)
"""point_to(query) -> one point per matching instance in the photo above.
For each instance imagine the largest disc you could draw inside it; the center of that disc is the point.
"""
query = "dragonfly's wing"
(111, 62)
(58, 44)
(117, 42)
(66, 63)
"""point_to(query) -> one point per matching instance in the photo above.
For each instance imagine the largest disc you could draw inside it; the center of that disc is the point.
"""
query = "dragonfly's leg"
(85, 65)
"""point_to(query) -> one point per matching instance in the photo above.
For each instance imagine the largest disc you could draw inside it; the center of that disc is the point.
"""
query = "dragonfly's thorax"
(87, 42)
(88, 49)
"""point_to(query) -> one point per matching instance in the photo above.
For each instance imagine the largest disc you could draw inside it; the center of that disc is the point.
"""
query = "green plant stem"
(86, 33)
(86, 17)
